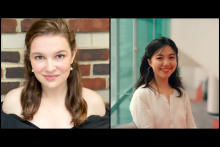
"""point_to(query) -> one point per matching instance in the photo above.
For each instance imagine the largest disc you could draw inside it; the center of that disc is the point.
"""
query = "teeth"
(165, 69)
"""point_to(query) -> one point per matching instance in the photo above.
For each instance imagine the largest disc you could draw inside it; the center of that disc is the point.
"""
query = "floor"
(201, 117)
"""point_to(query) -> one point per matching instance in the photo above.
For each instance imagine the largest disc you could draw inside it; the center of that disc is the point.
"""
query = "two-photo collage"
(109, 73)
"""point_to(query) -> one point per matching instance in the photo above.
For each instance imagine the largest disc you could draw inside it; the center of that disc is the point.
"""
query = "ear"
(149, 62)
(73, 55)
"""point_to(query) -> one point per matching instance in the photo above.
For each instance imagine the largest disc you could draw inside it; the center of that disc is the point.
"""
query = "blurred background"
(198, 44)
(92, 37)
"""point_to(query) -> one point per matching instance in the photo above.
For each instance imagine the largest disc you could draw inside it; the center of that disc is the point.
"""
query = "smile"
(165, 70)
(50, 77)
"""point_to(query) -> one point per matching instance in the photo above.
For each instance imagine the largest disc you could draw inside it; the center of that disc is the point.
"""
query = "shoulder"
(141, 95)
(183, 92)
(141, 91)
(94, 101)
(11, 102)
(140, 99)
(185, 96)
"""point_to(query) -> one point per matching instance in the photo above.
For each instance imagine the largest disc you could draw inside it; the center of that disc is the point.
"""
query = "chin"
(165, 76)
(50, 85)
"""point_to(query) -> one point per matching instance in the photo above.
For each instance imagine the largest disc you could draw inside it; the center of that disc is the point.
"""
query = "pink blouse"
(150, 109)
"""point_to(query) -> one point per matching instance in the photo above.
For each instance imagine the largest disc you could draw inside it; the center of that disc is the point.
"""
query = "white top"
(152, 110)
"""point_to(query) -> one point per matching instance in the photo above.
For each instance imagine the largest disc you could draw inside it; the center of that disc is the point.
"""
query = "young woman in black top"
(52, 96)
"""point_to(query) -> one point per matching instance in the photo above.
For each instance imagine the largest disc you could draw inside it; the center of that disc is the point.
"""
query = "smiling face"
(163, 62)
(51, 59)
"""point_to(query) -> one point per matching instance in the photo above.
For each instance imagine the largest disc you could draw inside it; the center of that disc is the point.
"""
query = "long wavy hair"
(146, 76)
(32, 91)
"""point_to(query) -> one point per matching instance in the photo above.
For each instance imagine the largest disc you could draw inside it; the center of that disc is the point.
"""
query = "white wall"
(188, 75)
(199, 40)
(192, 78)
(201, 76)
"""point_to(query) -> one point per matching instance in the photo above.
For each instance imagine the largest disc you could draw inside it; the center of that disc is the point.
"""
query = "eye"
(159, 58)
(172, 57)
(39, 57)
(60, 56)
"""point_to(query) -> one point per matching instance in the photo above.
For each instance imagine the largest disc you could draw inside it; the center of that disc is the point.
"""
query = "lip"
(166, 70)
(50, 77)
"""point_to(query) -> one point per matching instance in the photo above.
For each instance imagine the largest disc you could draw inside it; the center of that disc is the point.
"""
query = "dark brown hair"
(32, 92)
(146, 76)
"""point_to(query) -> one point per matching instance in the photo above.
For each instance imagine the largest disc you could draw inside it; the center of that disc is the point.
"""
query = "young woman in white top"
(52, 96)
(160, 100)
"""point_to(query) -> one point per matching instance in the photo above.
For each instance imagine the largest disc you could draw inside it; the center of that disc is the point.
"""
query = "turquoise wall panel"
(147, 30)
(125, 54)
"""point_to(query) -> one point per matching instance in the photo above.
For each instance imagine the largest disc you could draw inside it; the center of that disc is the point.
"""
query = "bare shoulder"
(11, 102)
(94, 101)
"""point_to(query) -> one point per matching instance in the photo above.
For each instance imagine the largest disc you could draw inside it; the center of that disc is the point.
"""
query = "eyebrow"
(162, 55)
(54, 53)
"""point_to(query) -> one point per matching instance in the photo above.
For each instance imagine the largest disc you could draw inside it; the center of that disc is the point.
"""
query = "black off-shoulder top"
(12, 121)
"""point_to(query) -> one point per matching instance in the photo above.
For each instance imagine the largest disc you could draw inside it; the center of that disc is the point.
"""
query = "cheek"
(157, 65)
(63, 67)
(174, 64)
(38, 67)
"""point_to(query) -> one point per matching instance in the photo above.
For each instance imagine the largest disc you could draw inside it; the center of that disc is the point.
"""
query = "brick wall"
(92, 36)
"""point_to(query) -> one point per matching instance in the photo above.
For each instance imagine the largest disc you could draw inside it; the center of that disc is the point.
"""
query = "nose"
(51, 66)
(166, 62)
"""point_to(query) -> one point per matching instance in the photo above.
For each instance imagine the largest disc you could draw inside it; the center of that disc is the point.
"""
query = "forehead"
(49, 44)
(165, 50)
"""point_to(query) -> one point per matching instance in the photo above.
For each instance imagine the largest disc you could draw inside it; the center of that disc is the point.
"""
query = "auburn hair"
(32, 91)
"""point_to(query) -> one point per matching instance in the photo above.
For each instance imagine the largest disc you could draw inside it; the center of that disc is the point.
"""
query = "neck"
(56, 94)
(161, 83)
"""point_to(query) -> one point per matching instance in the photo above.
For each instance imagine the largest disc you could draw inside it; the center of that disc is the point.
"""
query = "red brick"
(93, 54)
(26, 23)
(8, 86)
(8, 25)
(85, 70)
(89, 25)
(94, 83)
(105, 55)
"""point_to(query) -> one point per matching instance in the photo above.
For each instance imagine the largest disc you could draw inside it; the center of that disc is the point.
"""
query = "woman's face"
(163, 62)
(50, 58)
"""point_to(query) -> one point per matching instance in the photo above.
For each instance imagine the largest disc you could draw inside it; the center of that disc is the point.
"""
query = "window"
(129, 38)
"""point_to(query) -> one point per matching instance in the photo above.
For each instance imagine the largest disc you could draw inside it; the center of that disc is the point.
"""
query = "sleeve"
(190, 123)
(140, 110)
